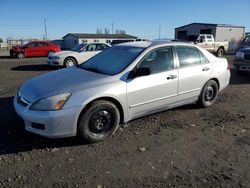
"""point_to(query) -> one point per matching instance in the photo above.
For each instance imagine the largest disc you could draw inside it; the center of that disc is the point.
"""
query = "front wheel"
(99, 121)
(209, 94)
(20, 56)
(51, 53)
(69, 62)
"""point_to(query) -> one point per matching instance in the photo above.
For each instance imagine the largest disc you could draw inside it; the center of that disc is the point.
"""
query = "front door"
(156, 91)
(88, 52)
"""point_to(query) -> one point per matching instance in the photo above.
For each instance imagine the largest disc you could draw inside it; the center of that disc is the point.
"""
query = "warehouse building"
(221, 32)
(72, 39)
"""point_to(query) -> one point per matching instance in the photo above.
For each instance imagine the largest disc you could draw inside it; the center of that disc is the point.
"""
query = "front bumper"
(242, 65)
(52, 124)
(55, 62)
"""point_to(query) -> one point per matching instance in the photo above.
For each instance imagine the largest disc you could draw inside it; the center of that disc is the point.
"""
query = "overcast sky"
(24, 18)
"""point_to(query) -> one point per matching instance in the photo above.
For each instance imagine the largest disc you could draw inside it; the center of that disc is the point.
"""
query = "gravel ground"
(182, 147)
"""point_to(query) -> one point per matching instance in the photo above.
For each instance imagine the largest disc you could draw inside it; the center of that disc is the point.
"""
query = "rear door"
(31, 49)
(194, 71)
(158, 90)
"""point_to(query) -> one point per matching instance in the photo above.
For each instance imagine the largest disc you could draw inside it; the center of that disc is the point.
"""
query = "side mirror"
(197, 41)
(142, 71)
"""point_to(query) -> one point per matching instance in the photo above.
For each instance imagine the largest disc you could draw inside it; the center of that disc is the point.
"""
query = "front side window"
(112, 60)
(100, 47)
(32, 45)
(202, 39)
(158, 60)
(189, 56)
(42, 44)
(91, 47)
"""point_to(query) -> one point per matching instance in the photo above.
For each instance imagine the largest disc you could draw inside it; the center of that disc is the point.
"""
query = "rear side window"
(190, 56)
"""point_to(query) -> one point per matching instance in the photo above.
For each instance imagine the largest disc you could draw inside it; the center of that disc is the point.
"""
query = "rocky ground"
(182, 147)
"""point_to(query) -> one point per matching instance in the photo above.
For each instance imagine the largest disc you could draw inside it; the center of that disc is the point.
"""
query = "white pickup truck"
(207, 42)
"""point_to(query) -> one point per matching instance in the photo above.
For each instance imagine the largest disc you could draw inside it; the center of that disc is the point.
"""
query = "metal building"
(72, 39)
(221, 32)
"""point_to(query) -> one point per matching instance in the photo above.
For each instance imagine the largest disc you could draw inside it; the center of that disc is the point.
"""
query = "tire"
(50, 53)
(70, 61)
(99, 121)
(220, 52)
(20, 56)
(209, 94)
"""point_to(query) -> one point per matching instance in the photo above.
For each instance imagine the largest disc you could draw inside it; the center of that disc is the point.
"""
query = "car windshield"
(78, 48)
(113, 60)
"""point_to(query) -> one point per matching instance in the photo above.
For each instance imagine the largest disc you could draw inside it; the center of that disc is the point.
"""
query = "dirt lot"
(183, 147)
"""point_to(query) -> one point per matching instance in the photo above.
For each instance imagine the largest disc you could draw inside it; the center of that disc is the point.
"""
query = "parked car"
(207, 42)
(76, 55)
(124, 82)
(114, 42)
(242, 59)
(34, 49)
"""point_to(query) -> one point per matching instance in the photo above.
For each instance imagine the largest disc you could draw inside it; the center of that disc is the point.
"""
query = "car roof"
(147, 44)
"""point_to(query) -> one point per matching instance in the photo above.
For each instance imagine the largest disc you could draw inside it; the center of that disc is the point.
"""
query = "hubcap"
(20, 56)
(220, 53)
(100, 122)
(50, 53)
(70, 63)
(209, 94)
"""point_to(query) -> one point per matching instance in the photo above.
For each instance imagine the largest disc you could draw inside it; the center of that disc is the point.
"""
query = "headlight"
(240, 54)
(51, 103)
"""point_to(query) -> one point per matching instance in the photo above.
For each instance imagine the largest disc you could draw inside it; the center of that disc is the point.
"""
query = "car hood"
(245, 50)
(62, 81)
(65, 53)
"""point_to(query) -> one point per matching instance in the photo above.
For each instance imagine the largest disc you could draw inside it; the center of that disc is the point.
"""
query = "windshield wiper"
(92, 69)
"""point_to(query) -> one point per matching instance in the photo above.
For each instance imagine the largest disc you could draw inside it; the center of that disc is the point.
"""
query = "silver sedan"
(122, 83)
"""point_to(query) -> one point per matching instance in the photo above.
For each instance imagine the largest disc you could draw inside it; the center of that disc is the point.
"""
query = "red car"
(34, 49)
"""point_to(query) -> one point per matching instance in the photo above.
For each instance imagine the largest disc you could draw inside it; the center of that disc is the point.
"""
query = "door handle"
(205, 69)
(171, 77)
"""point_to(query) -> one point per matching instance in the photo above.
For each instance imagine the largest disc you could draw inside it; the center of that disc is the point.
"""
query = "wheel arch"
(221, 47)
(217, 81)
(64, 61)
(110, 99)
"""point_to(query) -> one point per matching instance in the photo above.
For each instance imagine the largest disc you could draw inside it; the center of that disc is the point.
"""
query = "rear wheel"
(20, 56)
(220, 52)
(99, 121)
(69, 62)
(209, 94)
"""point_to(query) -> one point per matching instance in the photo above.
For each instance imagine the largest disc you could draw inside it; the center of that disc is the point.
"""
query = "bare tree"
(99, 31)
(119, 31)
(106, 31)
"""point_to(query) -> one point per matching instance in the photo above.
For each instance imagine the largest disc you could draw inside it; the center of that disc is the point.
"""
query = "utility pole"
(112, 28)
(159, 31)
(45, 29)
